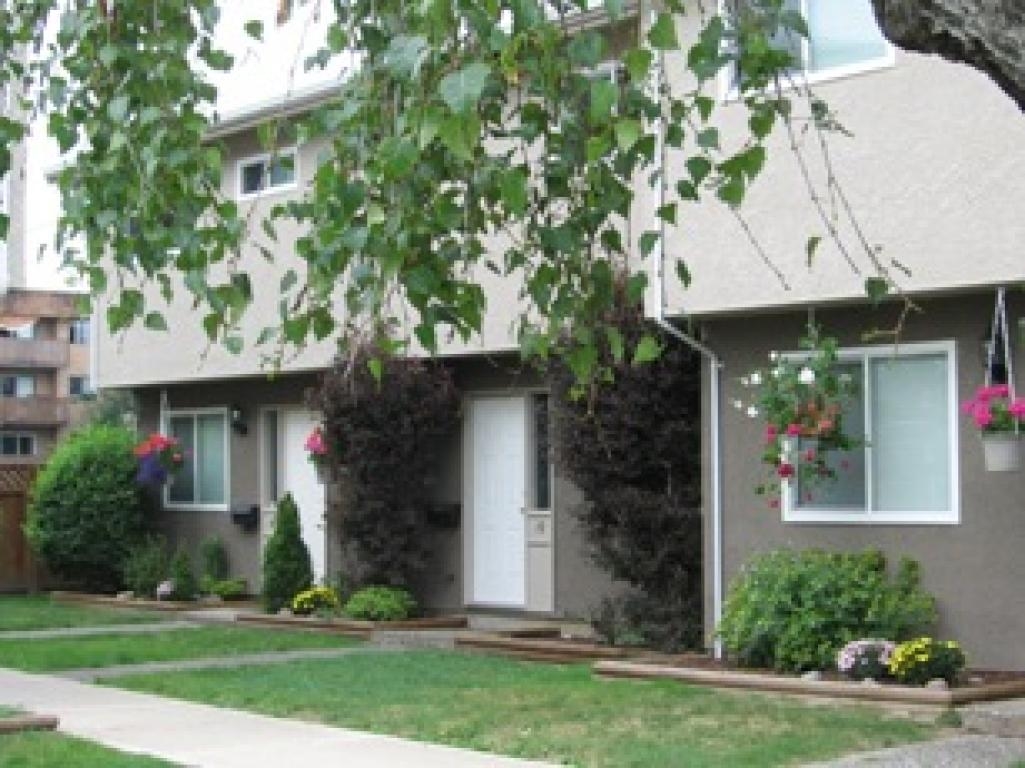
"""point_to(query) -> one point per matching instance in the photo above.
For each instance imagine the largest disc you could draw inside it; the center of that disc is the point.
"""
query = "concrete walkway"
(211, 737)
(106, 629)
(90, 674)
(951, 752)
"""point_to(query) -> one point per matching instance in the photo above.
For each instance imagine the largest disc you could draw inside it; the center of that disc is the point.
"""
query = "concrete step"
(997, 718)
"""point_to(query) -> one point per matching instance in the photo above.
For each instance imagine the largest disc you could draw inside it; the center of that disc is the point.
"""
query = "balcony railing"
(34, 353)
(34, 411)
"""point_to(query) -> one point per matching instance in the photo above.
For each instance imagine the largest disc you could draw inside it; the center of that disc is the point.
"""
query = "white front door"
(299, 477)
(497, 499)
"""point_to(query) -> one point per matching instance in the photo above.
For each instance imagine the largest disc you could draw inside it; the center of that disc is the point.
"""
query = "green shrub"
(214, 558)
(795, 610)
(86, 512)
(380, 604)
(918, 661)
(226, 589)
(286, 560)
(185, 587)
(318, 600)
(146, 566)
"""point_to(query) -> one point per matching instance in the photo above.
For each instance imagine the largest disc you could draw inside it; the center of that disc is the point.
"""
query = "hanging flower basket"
(1002, 452)
(160, 457)
(317, 453)
(1000, 418)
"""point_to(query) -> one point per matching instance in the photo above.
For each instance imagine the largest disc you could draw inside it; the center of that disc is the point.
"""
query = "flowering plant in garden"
(924, 659)
(865, 659)
(801, 400)
(316, 600)
(994, 411)
(316, 446)
(159, 456)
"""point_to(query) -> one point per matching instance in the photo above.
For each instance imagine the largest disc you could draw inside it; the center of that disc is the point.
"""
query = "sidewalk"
(211, 737)
(951, 752)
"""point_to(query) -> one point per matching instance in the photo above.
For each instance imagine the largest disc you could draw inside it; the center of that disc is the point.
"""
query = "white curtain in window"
(910, 434)
(182, 488)
(842, 33)
(210, 458)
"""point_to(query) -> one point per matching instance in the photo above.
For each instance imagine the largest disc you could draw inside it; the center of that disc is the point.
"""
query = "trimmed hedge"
(86, 512)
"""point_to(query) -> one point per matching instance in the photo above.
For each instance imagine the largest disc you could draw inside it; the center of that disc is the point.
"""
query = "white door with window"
(508, 499)
(298, 476)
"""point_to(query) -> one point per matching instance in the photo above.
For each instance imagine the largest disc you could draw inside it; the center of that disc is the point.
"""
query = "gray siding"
(974, 568)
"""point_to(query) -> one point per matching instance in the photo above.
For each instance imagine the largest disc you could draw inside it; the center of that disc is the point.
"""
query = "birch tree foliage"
(471, 136)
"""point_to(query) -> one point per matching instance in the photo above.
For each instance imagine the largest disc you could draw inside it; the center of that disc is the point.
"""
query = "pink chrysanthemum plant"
(993, 410)
(801, 399)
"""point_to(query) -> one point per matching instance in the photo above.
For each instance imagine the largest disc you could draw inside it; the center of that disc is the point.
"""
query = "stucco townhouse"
(931, 169)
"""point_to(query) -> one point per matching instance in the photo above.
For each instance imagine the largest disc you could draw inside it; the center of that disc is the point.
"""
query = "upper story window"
(78, 331)
(202, 481)
(904, 469)
(843, 39)
(26, 331)
(17, 386)
(79, 386)
(262, 174)
(15, 444)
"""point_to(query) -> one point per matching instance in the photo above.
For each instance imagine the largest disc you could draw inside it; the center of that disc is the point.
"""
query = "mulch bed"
(351, 627)
(20, 723)
(140, 604)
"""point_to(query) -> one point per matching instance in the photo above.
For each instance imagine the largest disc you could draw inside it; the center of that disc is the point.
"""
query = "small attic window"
(261, 174)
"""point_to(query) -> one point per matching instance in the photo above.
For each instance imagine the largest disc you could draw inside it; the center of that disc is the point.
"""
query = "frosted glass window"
(911, 434)
(202, 478)
(842, 33)
(182, 486)
(210, 458)
(272, 462)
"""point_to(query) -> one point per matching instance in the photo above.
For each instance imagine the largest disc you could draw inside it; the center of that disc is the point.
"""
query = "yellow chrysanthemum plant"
(316, 600)
(916, 662)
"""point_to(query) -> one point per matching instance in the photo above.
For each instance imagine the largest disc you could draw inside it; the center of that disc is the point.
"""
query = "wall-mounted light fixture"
(238, 420)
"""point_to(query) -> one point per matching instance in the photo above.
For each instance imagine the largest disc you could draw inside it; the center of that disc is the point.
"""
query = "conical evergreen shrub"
(286, 560)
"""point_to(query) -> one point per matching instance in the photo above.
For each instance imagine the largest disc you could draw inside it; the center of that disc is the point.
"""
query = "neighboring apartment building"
(45, 377)
(932, 170)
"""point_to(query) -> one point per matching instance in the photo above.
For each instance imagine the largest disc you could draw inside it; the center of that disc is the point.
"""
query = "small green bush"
(918, 661)
(380, 604)
(86, 512)
(185, 587)
(146, 566)
(226, 589)
(286, 560)
(214, 558)
(794, 611)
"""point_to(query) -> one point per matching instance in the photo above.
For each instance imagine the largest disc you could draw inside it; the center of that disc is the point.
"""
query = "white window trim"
(265, 158)
(729, 88)
(950, 516)
(165, 423)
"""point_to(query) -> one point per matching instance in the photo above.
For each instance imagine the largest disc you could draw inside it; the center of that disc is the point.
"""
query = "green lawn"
(560, 713)
(54, 750)
(40, 612)
(8, 712)
(108, 650)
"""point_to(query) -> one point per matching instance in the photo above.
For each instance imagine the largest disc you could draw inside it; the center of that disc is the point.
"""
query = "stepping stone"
(997, 718)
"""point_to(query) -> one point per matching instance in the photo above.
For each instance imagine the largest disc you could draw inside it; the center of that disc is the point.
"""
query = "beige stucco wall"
(932, 171)
(975, 568)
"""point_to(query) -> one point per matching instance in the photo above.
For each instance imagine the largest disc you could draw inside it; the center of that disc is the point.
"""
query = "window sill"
(731, 95)
(269, 192)
(180, 507)
(824, 517)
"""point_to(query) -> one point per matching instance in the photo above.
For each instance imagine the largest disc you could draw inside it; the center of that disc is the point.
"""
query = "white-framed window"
(905, 469)
(540, 470)
(79, 386)
(19, 385)
(202, 481)
(271, 457)
(844, 39)
(17, 444)
(266, 173)
(78, 331)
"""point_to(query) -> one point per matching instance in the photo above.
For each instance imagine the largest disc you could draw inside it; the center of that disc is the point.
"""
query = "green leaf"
(233, 344)
(514, 190)
(662, 34)
(616, 345)
(628, 132)
(647, 350)
(876, 288)
(288, 281)
(462, 89)
(5, 223)
(155, 321)
(648, 241)
(638, 63)
(117, 108)
(683, 272)
(811, 246)
(376, 368)
(405, 54)
(604, 95)
(698, 167)
(254, 28)
(667, 213)
(709, 138)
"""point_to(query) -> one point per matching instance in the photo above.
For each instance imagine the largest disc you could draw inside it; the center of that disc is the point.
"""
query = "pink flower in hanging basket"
(785, 470)
(793, 430)
(316, 445)
(1017, 408)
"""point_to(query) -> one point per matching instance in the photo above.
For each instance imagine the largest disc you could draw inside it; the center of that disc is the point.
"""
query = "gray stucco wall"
(975, 568)
(579, 585)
